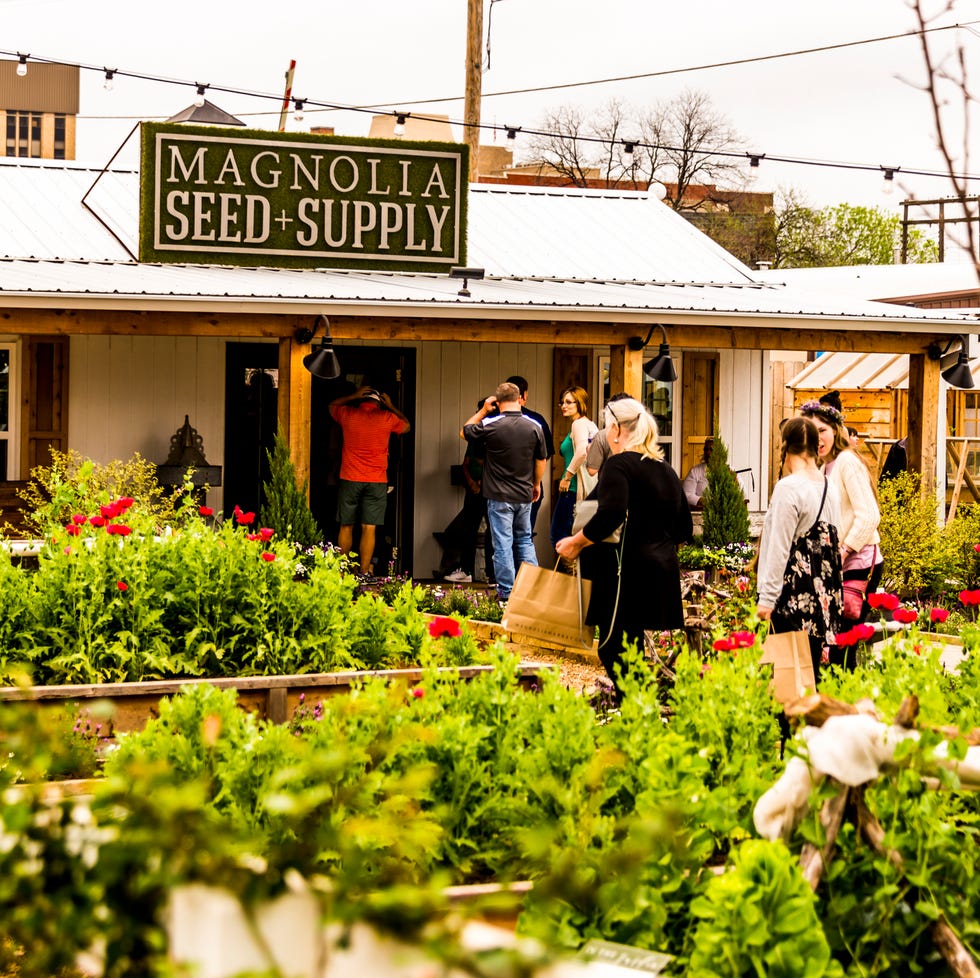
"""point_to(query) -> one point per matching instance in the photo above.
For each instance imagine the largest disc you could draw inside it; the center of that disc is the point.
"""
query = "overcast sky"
(857, 105)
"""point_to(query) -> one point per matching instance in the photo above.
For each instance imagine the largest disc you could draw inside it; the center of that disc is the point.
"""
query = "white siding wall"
(130, 394)
(452, 377)
(743, 411)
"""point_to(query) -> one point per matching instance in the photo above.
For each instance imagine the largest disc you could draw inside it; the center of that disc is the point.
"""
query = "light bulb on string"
(400, 118)
(512, 132)
(298, 109)
(754, 160)
(888, 184)
(22, 64)
(628, 149)
(110, 74)
(199, 99)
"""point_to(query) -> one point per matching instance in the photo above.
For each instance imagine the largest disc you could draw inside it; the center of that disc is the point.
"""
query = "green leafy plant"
(286, 508)
(760, 918)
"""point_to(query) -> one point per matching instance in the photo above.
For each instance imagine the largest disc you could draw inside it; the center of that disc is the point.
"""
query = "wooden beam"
(923, 419)
(692, 333)
(295, 404)
(626, 371)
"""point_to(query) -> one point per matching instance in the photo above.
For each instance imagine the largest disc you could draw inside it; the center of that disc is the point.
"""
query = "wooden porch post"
(923, 413)
(626, 371)
(295, 400)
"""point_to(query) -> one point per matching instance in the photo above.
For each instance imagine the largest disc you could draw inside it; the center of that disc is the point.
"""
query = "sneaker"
(459, 576)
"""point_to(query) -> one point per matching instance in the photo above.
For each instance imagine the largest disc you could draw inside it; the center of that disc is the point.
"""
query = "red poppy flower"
(252, 537)
(722, 645)
(268, 556)
(938, 615)
(969, 597)
(882, 599)
(118, 530)
(245, 519)
(124, 502)
(742, 640)
(122, 585)
(72, 530)
(206, 511)
(976, 547)
(905, 615)
(79, 519)
(265, 533)
(418, 692)
(844, 640)
(863, 632)
(97, 521)
(448, 627)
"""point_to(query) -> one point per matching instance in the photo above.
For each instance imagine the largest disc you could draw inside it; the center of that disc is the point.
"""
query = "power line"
(705, 67)
(752, 157)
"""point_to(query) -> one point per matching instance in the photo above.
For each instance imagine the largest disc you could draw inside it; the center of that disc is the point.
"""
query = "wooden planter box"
(274, 698)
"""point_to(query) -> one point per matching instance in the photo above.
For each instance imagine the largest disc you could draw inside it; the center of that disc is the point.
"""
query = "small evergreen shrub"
(286, 508)
(726, 517)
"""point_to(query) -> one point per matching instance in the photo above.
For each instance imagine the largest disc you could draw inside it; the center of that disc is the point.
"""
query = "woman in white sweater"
(859, 517)
(799, 574)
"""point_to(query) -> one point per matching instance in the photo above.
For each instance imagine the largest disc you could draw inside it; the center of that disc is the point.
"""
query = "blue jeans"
(510, 527)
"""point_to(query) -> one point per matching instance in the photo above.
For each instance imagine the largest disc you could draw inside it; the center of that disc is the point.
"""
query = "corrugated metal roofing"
(860, 371)
(879, 281)
(571, 252)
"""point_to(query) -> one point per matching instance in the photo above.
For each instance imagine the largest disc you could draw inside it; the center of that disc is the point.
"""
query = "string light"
(512, 131)
(298, 109)
(628, 148)
(888, 187)
(401, 116)
(110, 73)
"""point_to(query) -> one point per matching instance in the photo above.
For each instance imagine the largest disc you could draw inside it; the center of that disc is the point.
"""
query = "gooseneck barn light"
(661, 367)
(322, 362)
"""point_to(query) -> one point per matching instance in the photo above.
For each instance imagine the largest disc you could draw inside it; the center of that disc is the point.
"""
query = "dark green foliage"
(286, 508)
(726, 517)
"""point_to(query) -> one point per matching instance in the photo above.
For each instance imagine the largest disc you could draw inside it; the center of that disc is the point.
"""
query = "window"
(8, 398)
(24, 134)
(59, 137)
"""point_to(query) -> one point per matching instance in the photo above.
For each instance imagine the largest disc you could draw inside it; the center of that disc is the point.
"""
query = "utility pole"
(474, 82)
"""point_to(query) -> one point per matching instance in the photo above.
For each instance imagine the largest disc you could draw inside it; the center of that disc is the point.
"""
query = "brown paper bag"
(549, 607)
(792, 667)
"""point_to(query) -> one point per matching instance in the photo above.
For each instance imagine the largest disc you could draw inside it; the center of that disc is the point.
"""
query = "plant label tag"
(622, 960)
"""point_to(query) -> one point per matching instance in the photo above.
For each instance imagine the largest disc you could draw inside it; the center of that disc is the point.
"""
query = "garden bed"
(275, 698)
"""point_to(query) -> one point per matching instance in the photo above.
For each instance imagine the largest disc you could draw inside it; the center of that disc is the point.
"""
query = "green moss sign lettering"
(297, 200)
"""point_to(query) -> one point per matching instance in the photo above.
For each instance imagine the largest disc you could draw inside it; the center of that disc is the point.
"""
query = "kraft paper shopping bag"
(792, 667)
(550, 607)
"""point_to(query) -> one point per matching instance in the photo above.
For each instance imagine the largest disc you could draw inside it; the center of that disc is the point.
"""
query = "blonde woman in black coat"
(637, 486)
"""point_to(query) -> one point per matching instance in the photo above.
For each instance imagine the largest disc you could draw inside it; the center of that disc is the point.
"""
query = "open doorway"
(251, 420)
(391, 370)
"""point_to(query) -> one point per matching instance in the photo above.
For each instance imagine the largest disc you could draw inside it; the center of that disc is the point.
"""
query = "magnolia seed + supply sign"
(298, 200)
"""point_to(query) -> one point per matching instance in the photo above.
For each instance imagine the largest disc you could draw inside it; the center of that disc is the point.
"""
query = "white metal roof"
(880, 281)
(576, 254)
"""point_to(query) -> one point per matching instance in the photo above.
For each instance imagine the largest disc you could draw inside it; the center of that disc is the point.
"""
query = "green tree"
(286, 509)
(844, 234)
(726, 517)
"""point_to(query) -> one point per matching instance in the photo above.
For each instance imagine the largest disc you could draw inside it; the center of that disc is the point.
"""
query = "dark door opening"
(391, 370)
(251, 420)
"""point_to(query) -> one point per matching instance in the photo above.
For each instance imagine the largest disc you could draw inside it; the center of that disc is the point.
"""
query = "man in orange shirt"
(367, 419)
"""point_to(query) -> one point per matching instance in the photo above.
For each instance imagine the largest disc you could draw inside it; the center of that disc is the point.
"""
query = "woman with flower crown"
(859, 515)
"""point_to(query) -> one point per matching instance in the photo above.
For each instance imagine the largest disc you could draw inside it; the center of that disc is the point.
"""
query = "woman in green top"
(574, 404)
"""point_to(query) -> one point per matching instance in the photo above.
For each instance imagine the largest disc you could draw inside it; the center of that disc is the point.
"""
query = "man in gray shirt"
(512, 472)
